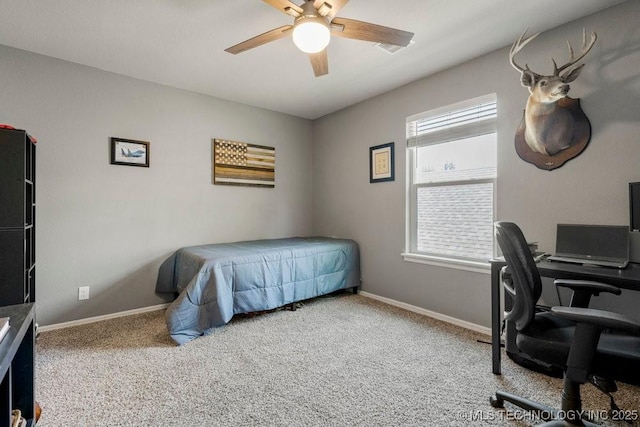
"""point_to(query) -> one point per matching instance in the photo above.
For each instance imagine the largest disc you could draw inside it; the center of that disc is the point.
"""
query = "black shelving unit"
(17, 217)
(17, 361)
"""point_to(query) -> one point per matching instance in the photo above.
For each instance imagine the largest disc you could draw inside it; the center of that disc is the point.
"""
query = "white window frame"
(411, 254)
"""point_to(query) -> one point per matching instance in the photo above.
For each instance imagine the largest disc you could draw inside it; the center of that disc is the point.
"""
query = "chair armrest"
(587, 285)
(583, 290)
(589, 327)
(600, 318)
(507, 282)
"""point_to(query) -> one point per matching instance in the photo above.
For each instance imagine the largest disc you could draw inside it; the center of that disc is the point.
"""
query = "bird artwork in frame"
(129, 152)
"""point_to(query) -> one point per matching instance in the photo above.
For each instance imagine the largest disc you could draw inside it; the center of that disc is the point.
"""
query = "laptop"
(601, 245)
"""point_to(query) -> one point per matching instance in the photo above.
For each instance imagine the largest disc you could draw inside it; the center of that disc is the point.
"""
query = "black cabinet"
(17, 361)
(17, 217)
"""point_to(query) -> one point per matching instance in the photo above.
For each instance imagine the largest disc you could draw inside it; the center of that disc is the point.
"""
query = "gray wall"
(109, 227)
(591, 188)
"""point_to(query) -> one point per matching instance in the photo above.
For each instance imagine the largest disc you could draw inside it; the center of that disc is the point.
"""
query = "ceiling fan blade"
(336, 5)
(319, 63)
(264, 38)
(359, 30)
(285, 6)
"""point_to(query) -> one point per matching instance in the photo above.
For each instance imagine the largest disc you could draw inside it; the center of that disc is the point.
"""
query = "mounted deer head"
(549, 126)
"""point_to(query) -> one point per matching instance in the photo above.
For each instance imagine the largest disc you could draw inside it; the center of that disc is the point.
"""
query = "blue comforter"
(215, 282)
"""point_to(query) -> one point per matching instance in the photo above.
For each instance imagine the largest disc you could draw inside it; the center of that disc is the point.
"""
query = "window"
(452, 176)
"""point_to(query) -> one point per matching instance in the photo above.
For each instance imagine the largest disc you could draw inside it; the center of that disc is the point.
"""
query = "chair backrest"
(523, 271)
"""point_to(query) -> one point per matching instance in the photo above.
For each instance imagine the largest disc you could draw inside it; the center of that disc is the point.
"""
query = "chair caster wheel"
(496, 402)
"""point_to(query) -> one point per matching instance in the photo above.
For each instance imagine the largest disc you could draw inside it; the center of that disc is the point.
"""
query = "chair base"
(544, 412)
(563, 423)
(535, 365)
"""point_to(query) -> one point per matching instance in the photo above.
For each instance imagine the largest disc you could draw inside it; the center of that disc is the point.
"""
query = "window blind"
(472, 118)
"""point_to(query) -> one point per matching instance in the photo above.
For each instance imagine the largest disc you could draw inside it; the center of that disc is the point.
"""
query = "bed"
(214, 282)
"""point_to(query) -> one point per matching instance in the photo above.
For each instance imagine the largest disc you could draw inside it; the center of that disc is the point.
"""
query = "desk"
(17, 361)
(628, 278)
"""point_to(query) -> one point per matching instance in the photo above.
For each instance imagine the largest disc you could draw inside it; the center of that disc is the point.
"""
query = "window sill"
(458, 264)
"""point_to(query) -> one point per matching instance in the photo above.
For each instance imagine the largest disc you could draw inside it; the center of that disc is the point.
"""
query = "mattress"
(216, 281)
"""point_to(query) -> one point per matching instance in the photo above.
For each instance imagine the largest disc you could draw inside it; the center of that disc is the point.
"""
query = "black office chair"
(568, 337)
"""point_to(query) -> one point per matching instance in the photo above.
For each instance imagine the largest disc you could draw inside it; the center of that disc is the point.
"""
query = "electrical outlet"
(83, 293)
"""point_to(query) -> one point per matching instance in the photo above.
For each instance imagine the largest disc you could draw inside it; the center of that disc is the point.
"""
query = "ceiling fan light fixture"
(311, 34)
(315, 21)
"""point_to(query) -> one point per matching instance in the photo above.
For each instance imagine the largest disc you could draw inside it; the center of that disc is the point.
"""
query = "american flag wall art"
(239, 163)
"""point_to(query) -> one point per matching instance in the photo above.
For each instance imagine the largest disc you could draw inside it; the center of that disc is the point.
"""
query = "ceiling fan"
(314, 23)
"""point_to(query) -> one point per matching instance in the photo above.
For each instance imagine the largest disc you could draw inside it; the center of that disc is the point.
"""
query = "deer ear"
(528, 78)
(568, 78)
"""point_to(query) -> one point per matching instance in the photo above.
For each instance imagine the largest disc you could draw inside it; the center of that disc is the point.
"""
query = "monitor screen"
(634, 206)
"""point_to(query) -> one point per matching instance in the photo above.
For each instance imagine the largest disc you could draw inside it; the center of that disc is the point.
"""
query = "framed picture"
(381, 163)
(240, 163)
(129, 152)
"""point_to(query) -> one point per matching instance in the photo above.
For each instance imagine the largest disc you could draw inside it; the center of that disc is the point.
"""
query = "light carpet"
(339, 361)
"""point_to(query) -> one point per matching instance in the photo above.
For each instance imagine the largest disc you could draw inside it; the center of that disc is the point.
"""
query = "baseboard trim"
(403, 305)
(87, 320)
(439, 316)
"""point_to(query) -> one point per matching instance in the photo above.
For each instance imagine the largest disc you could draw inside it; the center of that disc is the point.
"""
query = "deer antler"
(572, 61)
(517, 47)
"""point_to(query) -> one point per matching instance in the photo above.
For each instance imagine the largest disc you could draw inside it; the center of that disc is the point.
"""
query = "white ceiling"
(181, 43)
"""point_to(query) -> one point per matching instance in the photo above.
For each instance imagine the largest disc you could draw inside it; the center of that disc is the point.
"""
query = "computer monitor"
(634, 206)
